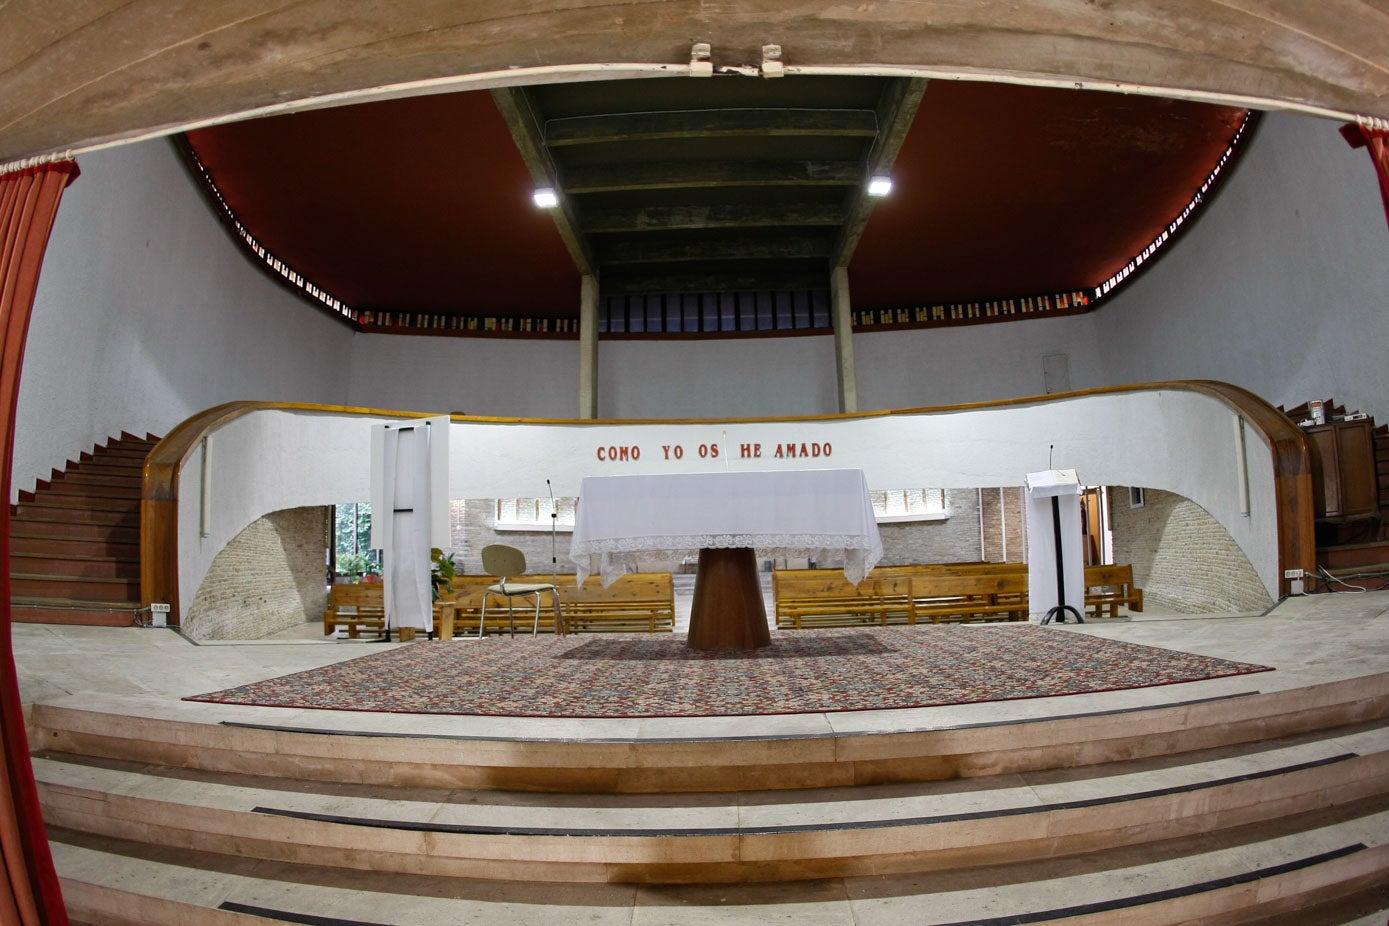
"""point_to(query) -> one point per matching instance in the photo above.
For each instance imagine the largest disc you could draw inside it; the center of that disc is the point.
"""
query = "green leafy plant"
(355, 565)
(442, 571)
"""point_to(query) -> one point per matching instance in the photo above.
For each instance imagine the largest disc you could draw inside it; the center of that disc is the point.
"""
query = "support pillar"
(843, 340)
(588, 346)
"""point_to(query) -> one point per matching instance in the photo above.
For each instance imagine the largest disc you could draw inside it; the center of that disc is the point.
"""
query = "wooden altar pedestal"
(727, 612)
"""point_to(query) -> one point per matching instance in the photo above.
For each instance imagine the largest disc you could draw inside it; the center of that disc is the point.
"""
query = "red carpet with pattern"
(809, 671)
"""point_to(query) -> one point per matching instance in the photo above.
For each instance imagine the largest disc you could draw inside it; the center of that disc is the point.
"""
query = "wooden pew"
(638, 602)
(1107, 587)
(825, 598)
(1000, 595)
(357, 607)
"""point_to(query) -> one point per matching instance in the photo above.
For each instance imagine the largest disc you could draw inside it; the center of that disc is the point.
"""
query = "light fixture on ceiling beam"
(771, 61)
(546, 198)
(879, 186)
(701, 60)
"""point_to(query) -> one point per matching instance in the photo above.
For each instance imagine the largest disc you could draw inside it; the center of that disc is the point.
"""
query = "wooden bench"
(638, 602)
(825, 598)
(1000, 595)
(357, 607)
(1107, 587)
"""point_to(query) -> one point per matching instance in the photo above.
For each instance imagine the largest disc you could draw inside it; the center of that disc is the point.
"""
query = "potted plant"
(442, 571)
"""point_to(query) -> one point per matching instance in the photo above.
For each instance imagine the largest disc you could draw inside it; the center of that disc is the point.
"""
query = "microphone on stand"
(554, 525)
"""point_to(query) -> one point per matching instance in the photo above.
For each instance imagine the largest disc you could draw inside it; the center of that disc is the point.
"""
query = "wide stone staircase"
(1248, 806)
(75, 540)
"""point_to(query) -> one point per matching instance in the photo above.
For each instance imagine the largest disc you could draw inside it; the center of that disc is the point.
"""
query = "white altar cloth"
(823, 509)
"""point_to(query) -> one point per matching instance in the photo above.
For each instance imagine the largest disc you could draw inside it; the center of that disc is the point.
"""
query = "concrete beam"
(82, 75)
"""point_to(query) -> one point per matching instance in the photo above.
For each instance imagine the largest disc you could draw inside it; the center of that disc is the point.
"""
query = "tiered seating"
(939, 592)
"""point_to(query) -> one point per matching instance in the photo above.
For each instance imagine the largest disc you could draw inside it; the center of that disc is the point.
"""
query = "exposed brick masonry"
(271, 576)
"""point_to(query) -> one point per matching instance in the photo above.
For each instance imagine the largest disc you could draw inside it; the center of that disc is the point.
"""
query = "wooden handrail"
(1292, 467)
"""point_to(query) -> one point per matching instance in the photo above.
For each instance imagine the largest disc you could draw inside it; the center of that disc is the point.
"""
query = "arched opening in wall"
(1182, 557)
(271, 577)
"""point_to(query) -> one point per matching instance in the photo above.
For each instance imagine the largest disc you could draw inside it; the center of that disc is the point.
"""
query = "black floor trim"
(286, 916)
(1122, 903)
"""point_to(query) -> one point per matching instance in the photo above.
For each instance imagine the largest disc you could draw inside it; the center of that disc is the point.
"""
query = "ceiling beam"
(896, 110)
(605, 219)
(722, 249)
(710, 123)
(696, 174)
(526, 132)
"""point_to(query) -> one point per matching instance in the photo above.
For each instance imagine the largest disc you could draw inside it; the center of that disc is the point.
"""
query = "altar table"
(725, 515)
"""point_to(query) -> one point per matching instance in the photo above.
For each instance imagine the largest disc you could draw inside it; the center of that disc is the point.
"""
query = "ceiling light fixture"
(546, 198)
(879, 186)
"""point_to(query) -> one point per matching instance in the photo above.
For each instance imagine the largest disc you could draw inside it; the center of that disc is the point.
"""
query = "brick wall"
(269, 578)
(1182, 558)
(954, 539)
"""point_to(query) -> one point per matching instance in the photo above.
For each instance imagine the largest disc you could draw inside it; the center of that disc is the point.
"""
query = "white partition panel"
(1173, 439)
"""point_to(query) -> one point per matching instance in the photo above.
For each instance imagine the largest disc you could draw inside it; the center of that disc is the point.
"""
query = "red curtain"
(1377, 141)
(30, 894)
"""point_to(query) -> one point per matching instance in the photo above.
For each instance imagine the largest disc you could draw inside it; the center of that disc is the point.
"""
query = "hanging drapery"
(30, 894)
(1373, 135)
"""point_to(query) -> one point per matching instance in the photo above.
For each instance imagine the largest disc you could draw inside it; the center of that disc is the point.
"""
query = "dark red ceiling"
(419, 205)
(423, 204)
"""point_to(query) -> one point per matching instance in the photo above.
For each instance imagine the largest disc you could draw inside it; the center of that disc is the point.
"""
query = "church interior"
(943, 452)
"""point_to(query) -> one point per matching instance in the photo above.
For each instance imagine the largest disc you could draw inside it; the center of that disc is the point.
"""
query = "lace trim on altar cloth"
(612, 558)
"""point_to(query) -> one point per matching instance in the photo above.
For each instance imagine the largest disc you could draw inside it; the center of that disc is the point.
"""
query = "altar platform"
(1255, 798)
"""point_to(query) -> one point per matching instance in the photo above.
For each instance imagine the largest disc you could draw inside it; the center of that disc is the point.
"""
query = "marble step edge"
(697, 813)
(449, 840)
(321, 748)
(119, 884)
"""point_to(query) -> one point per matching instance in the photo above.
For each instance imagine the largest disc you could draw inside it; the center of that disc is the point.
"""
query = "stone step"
(708, 838)
(758, 753)
(1335, 864)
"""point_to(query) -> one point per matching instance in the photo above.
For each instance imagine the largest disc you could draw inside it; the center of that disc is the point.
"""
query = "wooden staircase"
(75, 540)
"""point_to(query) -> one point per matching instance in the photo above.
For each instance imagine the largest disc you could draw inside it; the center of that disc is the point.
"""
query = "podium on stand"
(1056, 566)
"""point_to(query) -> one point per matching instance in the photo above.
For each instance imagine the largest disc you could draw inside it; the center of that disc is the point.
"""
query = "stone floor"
(1307, 639)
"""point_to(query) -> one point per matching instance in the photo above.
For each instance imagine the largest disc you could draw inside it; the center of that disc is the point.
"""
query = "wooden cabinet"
(1344, 484)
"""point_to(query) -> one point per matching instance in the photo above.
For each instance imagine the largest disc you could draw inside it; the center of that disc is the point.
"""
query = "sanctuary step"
(1240, 807)
(74, 540)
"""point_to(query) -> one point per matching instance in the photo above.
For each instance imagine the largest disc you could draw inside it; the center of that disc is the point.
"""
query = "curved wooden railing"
(1289, 448)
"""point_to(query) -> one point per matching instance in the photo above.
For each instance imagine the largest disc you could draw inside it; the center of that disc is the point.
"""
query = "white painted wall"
(146, 313)
(971, 363)
(1281, 287)
(1175, 440)
(509, 377)
(717, 378)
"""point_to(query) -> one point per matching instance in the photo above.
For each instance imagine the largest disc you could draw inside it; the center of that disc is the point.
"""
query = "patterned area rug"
(808, 671)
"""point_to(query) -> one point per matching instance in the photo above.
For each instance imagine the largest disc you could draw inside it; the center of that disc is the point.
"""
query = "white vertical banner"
(410, 506)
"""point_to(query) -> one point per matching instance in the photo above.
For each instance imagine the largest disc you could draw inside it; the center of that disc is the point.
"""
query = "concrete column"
(588, 346)
(843, 339)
